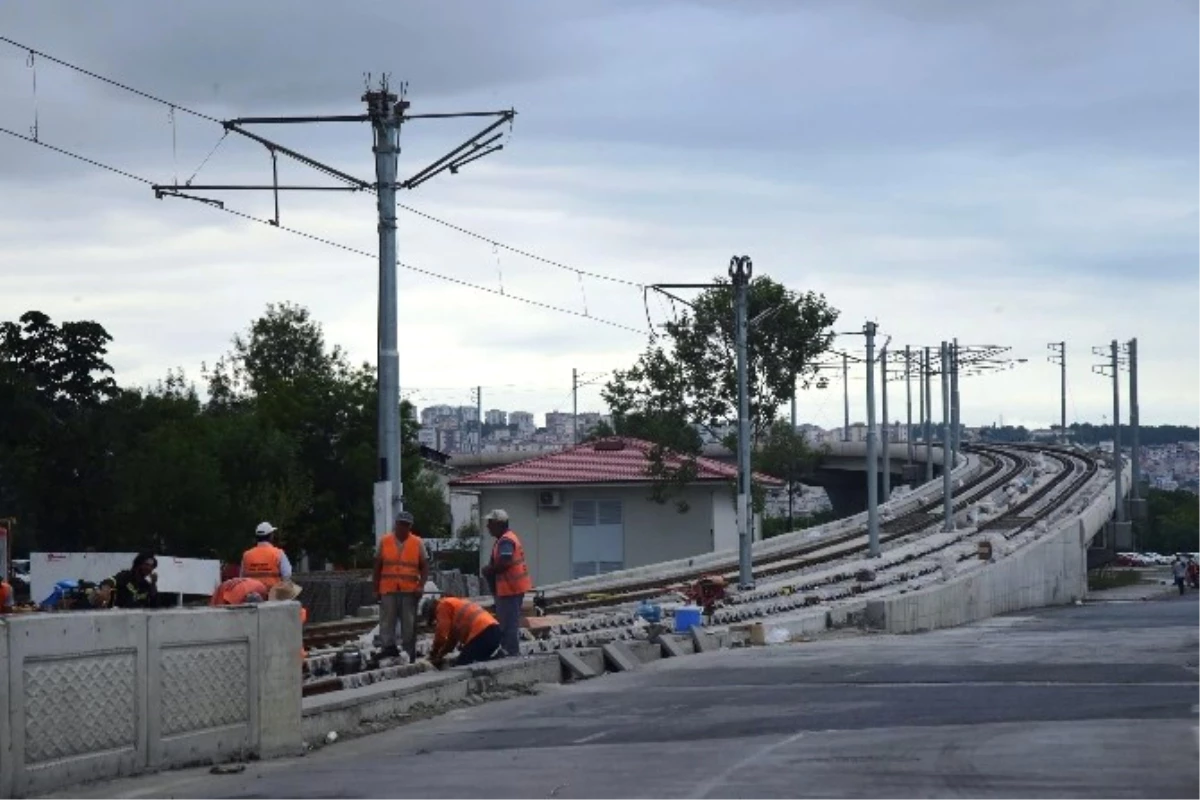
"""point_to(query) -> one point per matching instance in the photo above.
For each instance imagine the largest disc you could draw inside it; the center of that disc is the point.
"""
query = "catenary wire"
(416, 212)
(329, 242)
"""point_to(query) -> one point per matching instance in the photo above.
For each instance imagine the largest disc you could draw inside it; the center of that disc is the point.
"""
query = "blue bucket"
(686, 617)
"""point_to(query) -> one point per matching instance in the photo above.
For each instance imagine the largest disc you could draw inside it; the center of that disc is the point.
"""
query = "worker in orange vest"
(6, 597)
(265, 562)
(462, 624)
(508, 575)
(401, 570)
(239, 591)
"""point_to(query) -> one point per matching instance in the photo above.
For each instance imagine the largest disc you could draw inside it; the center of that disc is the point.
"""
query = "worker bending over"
(239, 591)
(462, 624)
(266, 562)
(508, 576)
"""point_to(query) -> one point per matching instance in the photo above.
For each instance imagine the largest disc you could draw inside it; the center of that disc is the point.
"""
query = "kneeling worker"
(462, 624)
(239, 591)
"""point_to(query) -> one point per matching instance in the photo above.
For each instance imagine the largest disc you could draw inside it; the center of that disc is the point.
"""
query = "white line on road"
(703, 789)
(591, 738)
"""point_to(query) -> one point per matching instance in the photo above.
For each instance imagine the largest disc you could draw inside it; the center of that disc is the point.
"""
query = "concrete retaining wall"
(1051, 570)
(96, 695)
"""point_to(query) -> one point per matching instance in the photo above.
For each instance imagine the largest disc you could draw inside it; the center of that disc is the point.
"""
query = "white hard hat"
(496, 515)
(264, 529)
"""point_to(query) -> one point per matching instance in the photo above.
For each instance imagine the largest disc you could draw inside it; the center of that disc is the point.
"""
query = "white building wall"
(653, 532)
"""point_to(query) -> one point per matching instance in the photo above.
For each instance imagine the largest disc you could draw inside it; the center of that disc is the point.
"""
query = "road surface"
(1086, 701)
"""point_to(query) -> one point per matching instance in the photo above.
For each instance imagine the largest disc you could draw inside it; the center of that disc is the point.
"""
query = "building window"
(597, 537)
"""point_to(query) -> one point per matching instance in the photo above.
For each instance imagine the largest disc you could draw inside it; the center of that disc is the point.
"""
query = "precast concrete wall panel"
(203, 684)
(75, 709)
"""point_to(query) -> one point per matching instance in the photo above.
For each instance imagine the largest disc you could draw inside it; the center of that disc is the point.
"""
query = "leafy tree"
(688, 383)
(1172, 522)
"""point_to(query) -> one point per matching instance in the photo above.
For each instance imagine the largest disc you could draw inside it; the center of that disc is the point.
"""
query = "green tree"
(1172, 522)
(688, 383)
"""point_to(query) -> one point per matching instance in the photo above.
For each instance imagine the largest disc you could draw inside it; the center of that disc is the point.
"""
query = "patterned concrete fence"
(94, 695)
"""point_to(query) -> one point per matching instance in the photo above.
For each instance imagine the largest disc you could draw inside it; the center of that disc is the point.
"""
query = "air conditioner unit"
(549, 499)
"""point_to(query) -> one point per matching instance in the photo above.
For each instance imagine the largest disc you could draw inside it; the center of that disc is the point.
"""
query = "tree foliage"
(1172, 523)
(686, 382)
(286, 434)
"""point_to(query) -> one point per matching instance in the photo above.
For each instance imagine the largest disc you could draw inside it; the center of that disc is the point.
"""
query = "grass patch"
(1110, 579)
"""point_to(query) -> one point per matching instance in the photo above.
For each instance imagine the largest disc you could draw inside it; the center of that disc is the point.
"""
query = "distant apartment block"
(495, 417)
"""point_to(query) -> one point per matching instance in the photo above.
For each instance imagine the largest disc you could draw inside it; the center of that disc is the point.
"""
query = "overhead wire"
(173, 106)
(330, 242)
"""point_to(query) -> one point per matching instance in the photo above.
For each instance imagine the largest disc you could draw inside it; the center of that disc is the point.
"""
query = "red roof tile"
(612, 460)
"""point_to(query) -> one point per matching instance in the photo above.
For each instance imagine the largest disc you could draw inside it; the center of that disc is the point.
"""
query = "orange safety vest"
(515, 579)
(233, 591)
(401, 564)
(459, 621)
(263, 562)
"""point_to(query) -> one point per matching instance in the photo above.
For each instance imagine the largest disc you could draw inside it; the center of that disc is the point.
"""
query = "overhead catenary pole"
(1134, 432)
(792, 466)
(927, 421)
(884, 439)
(386, 116)
(955, 416)
(872, 453)
(947, 464)
(740, 268)
(908, 430)
(574, 406)
(846, 395)
(1116, 382)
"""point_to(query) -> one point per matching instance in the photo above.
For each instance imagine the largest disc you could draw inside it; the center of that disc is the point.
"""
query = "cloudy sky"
(1008, 173)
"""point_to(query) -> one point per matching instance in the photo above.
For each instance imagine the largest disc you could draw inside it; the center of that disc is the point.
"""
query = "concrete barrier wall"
(1052, 570)
(95, 695)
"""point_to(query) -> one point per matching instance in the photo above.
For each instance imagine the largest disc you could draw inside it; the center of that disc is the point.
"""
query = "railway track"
(1003, 467)
(799, 580)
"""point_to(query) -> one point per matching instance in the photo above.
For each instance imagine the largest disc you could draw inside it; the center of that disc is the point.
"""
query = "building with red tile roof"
(588, 509)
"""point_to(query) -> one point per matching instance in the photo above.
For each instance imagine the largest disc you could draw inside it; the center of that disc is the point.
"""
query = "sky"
(1006, 173)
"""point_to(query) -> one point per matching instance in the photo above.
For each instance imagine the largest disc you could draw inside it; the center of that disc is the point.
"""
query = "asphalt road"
(1091, 701)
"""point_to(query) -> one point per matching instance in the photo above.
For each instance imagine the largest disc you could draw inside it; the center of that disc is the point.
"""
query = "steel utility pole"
(846, 394)
(1135, 489)
(872, 453)
(792, 466)
(1058, 355)
(386, 116)
(947, 463)
(386, 113)
(574, 406)
(740, 269)
(884, 439)
(928, 422)
(955, 417)
(908, 430)
(1113, 365)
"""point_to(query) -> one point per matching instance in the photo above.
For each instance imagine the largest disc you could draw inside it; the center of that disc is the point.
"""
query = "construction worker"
(80, 595)
(239, 591)
(462, 624)
(6, 597)
(508, 576)
(401, 569)
(137, 587)
(265, 561)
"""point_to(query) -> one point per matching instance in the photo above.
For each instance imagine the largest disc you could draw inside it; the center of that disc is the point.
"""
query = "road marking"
(591, 738)
(703, 789)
